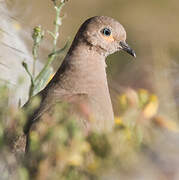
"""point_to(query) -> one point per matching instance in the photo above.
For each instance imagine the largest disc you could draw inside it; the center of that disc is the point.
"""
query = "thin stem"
(57, 24)
(55, 35)
(37, 36)
(35, 56)
(31, 78)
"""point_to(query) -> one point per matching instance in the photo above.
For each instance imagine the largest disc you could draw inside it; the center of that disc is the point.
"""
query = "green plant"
(39, 81)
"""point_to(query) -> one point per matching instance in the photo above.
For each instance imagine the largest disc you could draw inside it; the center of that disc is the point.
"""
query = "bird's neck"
(85, 69)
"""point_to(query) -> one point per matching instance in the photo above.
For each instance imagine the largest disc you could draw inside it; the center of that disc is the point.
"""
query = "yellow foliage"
(151, 107)
(118, 121)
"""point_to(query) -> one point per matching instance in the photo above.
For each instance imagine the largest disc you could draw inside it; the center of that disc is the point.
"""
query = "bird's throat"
(86, 70)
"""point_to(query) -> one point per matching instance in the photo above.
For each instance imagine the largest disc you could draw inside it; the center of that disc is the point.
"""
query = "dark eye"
(106, 31)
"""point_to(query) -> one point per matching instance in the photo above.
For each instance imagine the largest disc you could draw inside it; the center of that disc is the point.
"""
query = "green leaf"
(41, 81)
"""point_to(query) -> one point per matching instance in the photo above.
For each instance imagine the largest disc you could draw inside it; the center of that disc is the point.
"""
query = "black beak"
(127, 48)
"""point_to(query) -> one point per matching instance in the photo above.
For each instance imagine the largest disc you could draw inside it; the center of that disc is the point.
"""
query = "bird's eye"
(106, 31)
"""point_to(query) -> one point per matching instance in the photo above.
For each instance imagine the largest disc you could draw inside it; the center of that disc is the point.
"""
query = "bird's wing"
(77, 100)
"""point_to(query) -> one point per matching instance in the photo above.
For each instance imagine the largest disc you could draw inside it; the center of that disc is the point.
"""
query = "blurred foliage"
(60, 150)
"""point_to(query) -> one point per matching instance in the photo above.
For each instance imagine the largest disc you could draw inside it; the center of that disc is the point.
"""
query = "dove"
(81, 80)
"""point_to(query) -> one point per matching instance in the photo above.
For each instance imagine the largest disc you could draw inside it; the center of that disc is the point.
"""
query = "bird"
(81, 79)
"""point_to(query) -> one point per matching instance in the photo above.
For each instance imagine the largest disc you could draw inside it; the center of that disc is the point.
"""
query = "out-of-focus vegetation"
(61, 150)
(144, 142)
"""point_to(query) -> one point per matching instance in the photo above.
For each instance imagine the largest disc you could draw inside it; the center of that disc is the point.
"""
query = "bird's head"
(106, 34)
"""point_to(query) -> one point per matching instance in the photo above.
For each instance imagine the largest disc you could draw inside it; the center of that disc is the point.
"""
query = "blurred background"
(152, 31)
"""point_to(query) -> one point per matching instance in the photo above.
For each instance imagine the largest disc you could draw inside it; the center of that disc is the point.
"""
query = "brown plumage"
(81, 79)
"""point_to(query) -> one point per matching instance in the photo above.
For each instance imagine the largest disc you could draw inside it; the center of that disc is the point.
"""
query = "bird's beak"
(127, 48)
